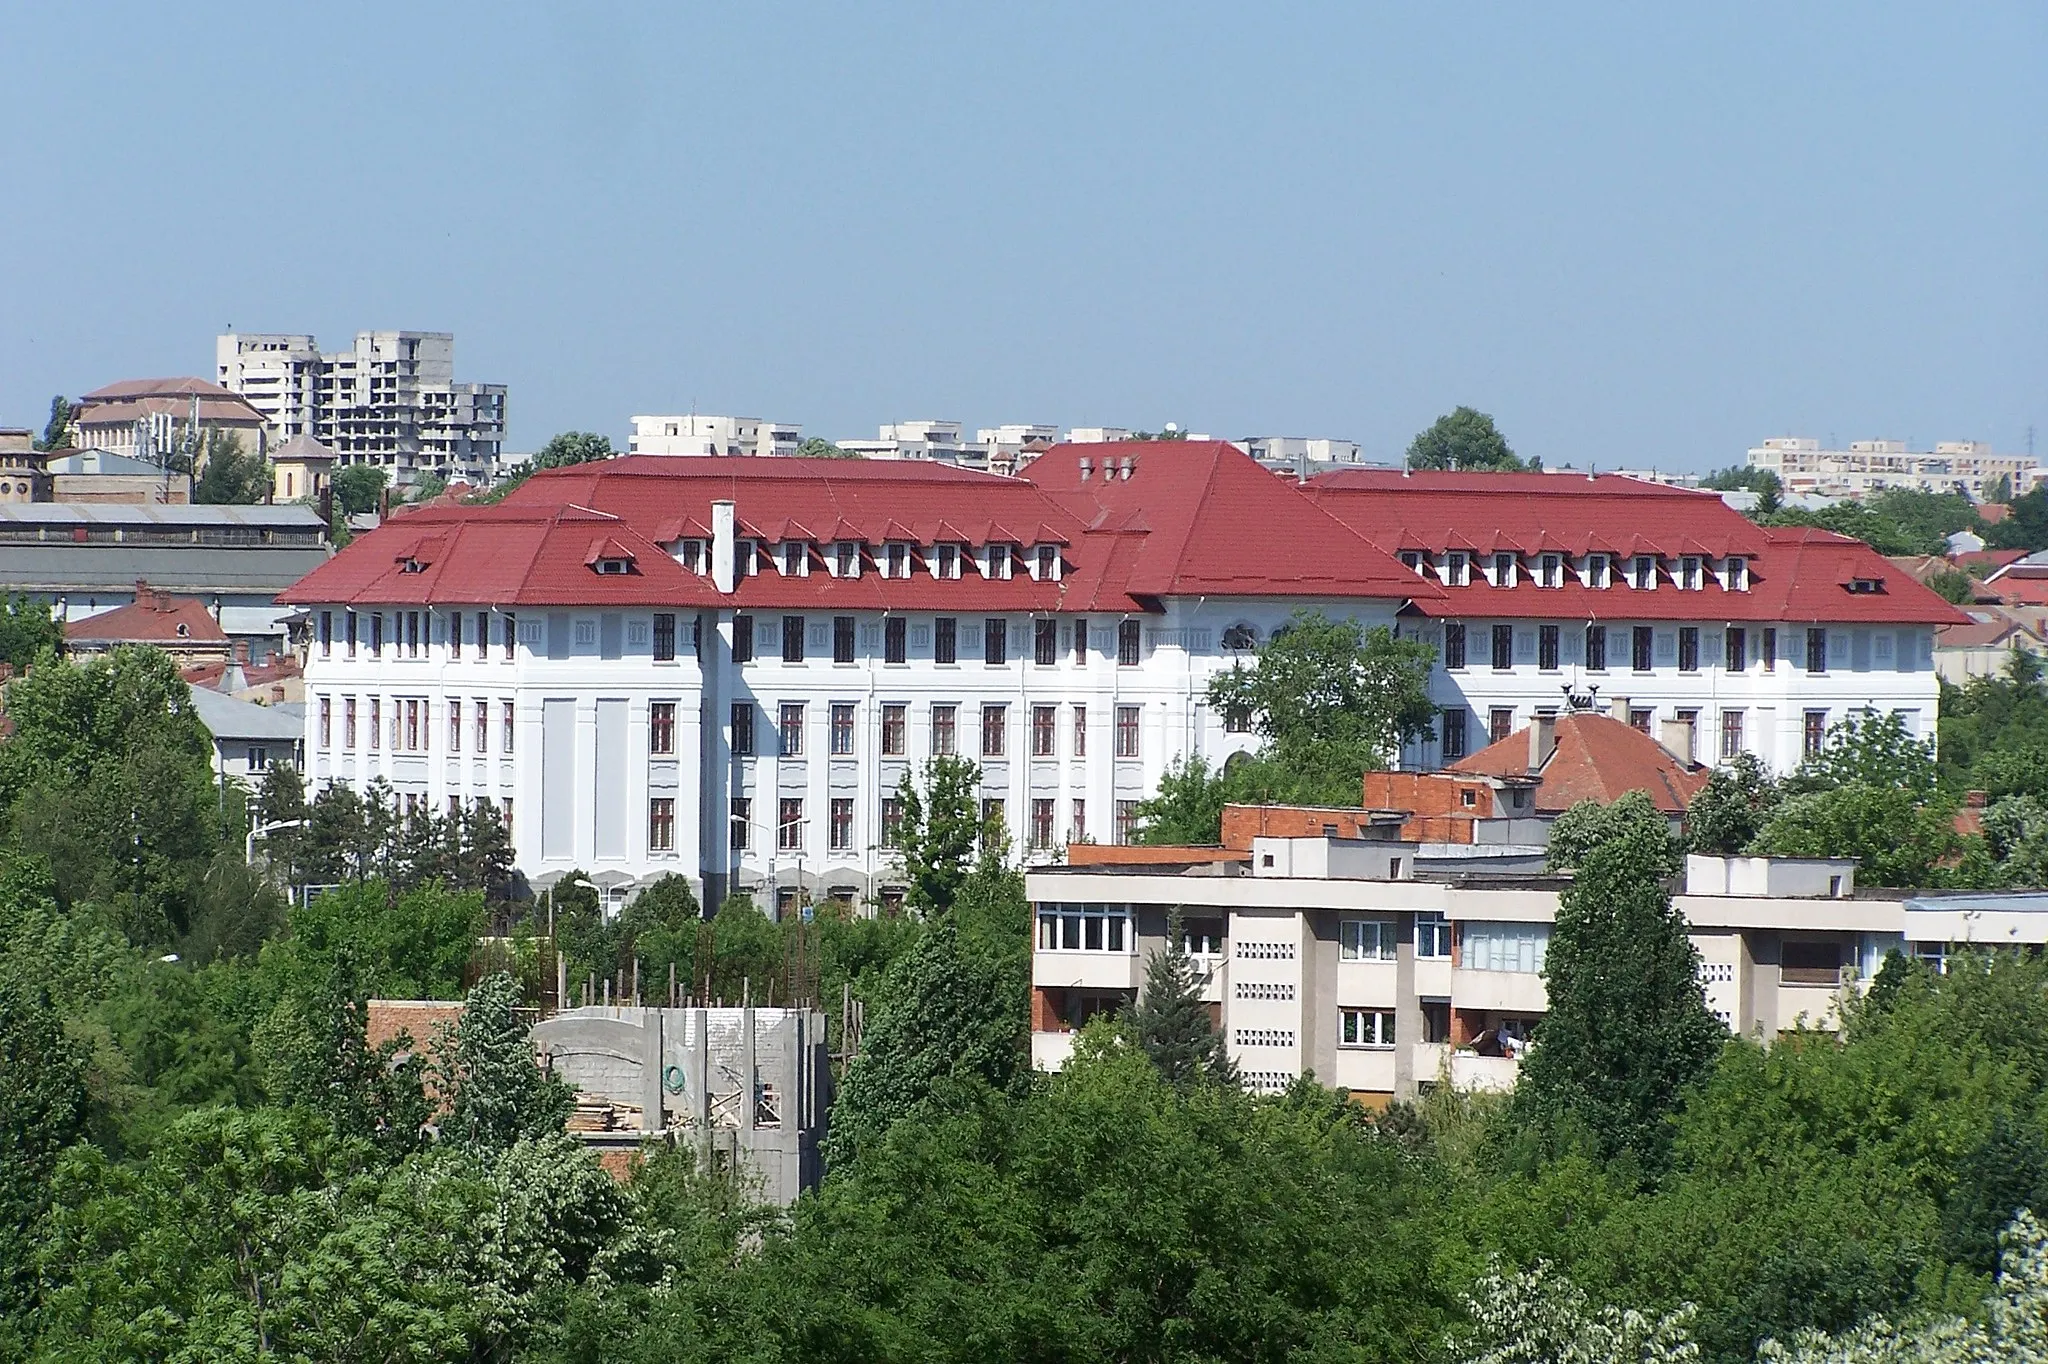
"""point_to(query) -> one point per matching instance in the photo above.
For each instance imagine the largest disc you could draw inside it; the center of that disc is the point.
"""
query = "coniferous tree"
(1172, 1023)
(1628, 1029)
(317, 1055)
(497, 1091)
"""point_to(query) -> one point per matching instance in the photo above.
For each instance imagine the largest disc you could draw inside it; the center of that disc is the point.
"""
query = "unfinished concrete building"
(745, 1088)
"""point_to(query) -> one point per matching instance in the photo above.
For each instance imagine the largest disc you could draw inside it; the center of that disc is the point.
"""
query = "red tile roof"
(1795, 573)
(1597, 758)
(153, 620)
(183, 387)
(1981, 560)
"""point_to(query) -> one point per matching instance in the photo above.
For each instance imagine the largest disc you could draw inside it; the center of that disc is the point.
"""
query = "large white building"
(724, 667)
(697, 434)
(391, 400)
(1871, 466)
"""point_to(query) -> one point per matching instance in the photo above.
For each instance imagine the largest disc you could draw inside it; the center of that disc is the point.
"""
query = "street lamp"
(578, 880)
(249, 843)
(801, 823)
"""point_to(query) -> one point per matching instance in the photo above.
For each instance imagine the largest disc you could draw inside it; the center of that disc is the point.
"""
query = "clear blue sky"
(1635, 235)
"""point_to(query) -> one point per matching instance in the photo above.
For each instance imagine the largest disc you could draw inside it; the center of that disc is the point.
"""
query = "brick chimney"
(242, 652)
(276, 693)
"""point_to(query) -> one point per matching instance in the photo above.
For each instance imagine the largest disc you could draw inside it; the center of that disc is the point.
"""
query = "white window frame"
(1432, 924)
(1457, 569)
(1599, 571)
(1360, 1029)
(1367, 939)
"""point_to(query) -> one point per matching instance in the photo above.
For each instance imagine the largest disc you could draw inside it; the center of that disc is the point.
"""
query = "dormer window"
(1414, 560)
(1457, 569)
(1048, 562)
(1738, 574)
(946, 564)
(846, 555)
(1599, 570)
(899, 561)
(1689, 577)
(1503, 570)
(795, 559)
(1550, 571)
(999, 561)
(612, 567)
(411, 565)
(1642, 572)
(690, 554)
(743, 559)
(1866, 586)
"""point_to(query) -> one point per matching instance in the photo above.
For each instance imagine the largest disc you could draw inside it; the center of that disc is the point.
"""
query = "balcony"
(1484, 1074)
(1068, 969)
(1050, 1050)
(1510, 992)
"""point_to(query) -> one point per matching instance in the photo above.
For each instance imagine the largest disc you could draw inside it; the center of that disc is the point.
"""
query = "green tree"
(1172, 1024)
(1463, 439)
(943, 1015)
(358, 487)
(1725, 815)
(940, 829)
(817, 447)
(42, 1110)
(27, 631)
(58, 431)
(1875, 750)
(1588, 825)
(1900, 839)
(1542, 1317)
(1953, 585)
(1766, 484)
(1628, 1032)
(411, 946)
(2026, 523)
(228, 474)
(316, 1055)
(496, 1091)
(1332, 700)
(1188, 808)
(573, 447)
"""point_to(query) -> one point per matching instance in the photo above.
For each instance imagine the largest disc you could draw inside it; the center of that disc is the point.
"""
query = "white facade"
(697, 434)
(391, 400)
(933, 440)
(1870, 466)
(1097, 435)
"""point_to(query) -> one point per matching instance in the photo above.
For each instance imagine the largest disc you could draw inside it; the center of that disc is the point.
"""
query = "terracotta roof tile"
(1596, 758)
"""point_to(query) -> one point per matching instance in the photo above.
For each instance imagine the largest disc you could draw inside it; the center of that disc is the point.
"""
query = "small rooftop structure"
(1593, 757)
(181, 626)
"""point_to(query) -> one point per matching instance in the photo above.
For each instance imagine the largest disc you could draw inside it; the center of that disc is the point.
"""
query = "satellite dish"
(1173, 426)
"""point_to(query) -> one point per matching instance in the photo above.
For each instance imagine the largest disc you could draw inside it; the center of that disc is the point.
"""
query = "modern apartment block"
(724, 667)
(391, 400)
(695, 434)
(1338, 956)
(1870, 466)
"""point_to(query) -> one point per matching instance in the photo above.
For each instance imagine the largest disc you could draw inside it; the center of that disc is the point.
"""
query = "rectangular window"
(1639, 717)
(1738, 575)
(1365, 1027)
(1550, 571)
(1503, 570)
(1731, 733)
(792, 639)
(893, 730)
(743, 638)
(1689, 577)
(455, 634)
(348, 723)
(505, 815)
(794, 560)
(412, 634)
(1769, 651)
(1688, 648)
(948, 560)
(1432, 936)
(1546, 648)
(1738, 650)
(896, 640)
(483, 636)
(1045, 641)
(1048, 562)
(995, 641)
(1816, 733)
(842, 639)
(842, 729)
(789, 827)
(1503, 647)
(1506, 947)
(999, 561)
(1081, 643)
(790, 729)
(1080, 731)
(1643, 639)
(454, 726)
(661, 824)
(892, 822)
(664, 637)
(1366, 940)
(1126, 821)
(840, 831)
(1596, 648)
(1598, 570)
(1127, 643)
(945, 741)
(326, 634)
(483, 724)
(349, 629)
(739, 823)
(1044, 723)
(1643, 572)
(1454, 645)
(1500, 722)
(992, 811)
(1127, 731)
(412, 726)
(1457, 568)
(1085, 928)
(899, 561)
(510, 720)
(326, 721)
(1454, 734)
(376, 723)
(511, 633)
(995, 730)
(1077, 825)
(743, 729)
(1041, 822)
(846, 559)
(377, 635)
(1816, 651)
(945, 639)
(661, 727)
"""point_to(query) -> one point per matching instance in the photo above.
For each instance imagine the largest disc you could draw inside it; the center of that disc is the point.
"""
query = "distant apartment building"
(391, 400)
(696, 434)
(1353, 959)
(930, 440)
(1301, 456)
(1871, 466)
(1097, 435)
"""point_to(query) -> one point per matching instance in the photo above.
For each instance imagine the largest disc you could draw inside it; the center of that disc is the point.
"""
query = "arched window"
(1240, 638)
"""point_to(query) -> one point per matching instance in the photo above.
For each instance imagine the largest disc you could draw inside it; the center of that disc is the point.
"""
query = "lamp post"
(249, 843)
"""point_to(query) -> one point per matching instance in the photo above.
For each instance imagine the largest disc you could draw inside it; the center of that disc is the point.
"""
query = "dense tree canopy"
(1463, 439)
(357, 487)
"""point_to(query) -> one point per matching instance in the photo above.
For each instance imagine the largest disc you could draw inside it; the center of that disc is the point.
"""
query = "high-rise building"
(391, 400)
(1969, 467)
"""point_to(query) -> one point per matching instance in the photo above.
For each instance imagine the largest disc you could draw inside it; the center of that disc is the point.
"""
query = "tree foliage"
(59, 430)
(1171, 1023)
(1463, 439)
(229, 474)
(1725, 816)
(28, 630)
(817, 447)
(359, 487)
(496, 1093)
(941, 828)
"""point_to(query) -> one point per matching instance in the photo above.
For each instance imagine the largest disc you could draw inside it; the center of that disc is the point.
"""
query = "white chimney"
(1087, 468)
(1678, 739)
(723, 544)
(1542, 741)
